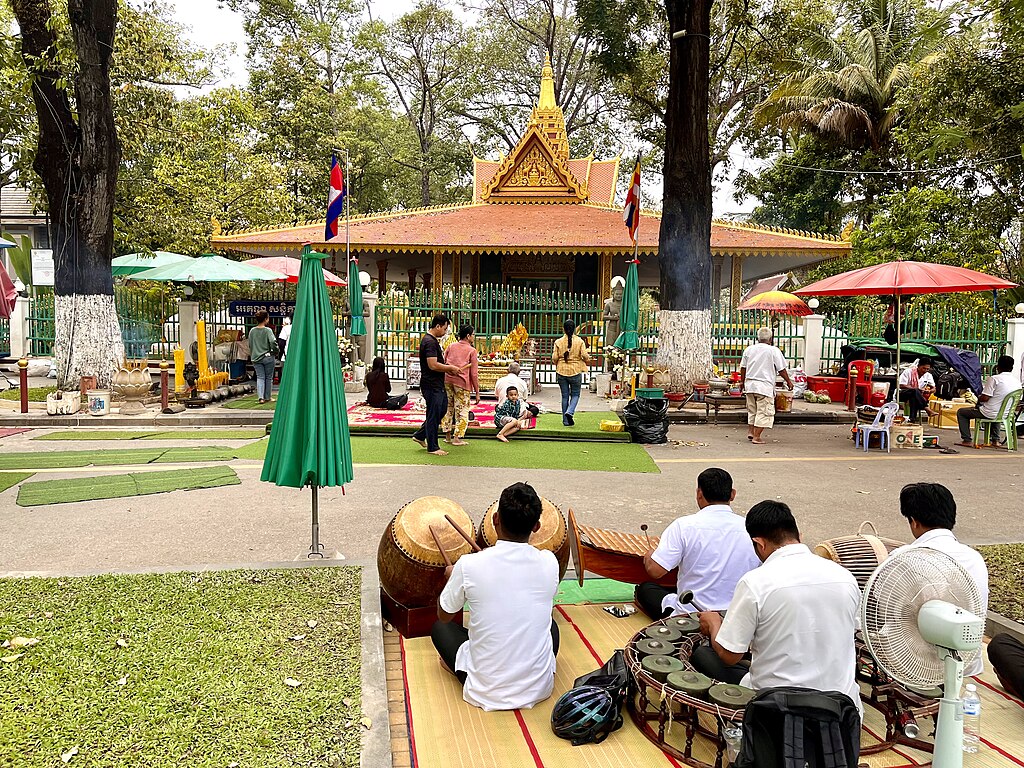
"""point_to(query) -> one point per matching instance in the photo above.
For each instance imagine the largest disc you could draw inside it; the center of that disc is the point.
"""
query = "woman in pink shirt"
(459, 386)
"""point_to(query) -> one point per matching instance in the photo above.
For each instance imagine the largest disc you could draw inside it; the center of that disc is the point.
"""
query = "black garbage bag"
(647, 420)
(650, 434)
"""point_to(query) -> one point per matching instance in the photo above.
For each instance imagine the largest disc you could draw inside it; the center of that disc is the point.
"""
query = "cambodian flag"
(335, 199)
(631, 211)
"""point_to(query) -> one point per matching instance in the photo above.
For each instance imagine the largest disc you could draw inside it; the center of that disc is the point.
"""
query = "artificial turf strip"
(549, 427)
(62, 459)
(601, 457)
(1005, 575)
(35, 394)
(11, 479)
(593, 591)
(119, 486)
(200, 678)
(190, 434)
(250, 403)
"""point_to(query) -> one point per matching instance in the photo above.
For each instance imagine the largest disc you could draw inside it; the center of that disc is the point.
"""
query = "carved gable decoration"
(533, 172)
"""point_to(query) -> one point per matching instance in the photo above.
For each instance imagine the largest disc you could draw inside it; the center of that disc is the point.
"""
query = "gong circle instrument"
(860, 554)
(415, 545)
(553, 534)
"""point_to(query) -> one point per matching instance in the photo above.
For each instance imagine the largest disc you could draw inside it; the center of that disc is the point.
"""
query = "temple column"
(717, 262)
(604, 275)
(474, 269)
(412, 279)
(382, 277)
(456, 269)
(426, 280)
(438, 270)
(736, 281)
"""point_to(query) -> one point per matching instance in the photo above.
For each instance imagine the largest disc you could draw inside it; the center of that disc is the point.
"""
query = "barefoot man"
(761, 363)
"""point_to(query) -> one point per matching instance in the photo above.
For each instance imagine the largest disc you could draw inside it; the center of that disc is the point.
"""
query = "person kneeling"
(510, 416)
(506, 659)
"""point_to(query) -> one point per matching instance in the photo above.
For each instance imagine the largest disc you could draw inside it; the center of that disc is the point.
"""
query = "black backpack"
(794, 727)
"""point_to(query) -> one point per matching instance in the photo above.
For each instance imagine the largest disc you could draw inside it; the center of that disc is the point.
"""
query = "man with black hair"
(711, 549)
(916, 386)
(506, 658)
(796, 614)
(432, 371)
(998, 387)
(931, 512)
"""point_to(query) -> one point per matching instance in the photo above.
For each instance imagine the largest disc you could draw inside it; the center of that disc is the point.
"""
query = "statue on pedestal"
(357, 341)
(612, 313)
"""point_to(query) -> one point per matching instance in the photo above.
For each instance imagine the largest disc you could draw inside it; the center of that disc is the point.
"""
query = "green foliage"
(20, 256)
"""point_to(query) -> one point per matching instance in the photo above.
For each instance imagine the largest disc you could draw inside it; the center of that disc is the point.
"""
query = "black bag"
(797, 727)
(647, 420)
(614, 678)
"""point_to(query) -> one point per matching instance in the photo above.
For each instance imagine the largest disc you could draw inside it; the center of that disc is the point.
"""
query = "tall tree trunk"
(77, 159)
(684, 244)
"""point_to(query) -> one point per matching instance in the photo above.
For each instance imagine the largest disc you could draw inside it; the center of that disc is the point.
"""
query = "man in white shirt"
(761, 363)
(506, 659)
(511, 379)
(931, 511)
(711, 549)
(284, 335)
(916, 386)
(796, 614)
(995, 391)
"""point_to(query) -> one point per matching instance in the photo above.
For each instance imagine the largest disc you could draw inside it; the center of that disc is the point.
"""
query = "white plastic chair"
(882, 424)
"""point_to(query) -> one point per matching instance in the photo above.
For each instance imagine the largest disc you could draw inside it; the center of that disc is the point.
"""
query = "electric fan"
(920, 620)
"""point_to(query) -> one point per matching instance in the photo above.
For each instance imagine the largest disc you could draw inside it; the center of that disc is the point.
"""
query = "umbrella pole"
(899, 338)
(316, 548)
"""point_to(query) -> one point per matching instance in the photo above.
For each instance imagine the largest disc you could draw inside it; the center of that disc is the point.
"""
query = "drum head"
(411, 529)
(552, 533)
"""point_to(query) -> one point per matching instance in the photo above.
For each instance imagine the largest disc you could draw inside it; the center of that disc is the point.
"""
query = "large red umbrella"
(290, 268)
(904, 278)
(8, 293)
(777, 302)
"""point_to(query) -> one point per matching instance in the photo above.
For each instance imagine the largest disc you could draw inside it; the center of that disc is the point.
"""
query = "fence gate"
(493, 311)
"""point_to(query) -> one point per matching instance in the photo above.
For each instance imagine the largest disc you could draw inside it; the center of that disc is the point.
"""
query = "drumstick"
(440, 547)
(643, 527)
(463, 534)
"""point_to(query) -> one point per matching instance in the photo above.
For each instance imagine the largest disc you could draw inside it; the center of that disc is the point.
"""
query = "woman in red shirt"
(459, 386)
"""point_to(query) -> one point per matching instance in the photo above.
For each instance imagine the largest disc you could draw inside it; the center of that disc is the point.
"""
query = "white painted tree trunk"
(684, 346)
(87, 339)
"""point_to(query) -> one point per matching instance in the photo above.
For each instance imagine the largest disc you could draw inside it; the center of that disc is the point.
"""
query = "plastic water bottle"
(972, 718)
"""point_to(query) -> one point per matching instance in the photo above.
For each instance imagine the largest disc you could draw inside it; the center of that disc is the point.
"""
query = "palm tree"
(846, 85)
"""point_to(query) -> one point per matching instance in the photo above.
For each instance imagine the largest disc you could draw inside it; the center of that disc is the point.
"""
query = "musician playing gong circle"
(711, 549)
(506, 658)
(796, 614)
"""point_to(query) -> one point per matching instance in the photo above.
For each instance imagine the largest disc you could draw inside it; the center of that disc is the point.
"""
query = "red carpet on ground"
(362, 415)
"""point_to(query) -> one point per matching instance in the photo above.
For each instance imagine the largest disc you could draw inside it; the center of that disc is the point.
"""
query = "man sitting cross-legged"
(796, 614)
(506, 659)
(711, 549)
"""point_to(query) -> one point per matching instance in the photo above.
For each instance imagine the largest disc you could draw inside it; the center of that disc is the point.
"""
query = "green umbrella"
(629, 319)
(309, 443)
(355, 300)
(208, 268)
(133, 263)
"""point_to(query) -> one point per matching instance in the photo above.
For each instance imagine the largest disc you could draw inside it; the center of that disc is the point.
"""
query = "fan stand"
(949, 727)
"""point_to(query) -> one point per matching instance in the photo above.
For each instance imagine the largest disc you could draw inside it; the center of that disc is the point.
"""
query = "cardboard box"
(907, 436)
(946, 418)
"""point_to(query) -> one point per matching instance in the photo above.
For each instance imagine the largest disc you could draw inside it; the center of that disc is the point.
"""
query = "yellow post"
(201, 337)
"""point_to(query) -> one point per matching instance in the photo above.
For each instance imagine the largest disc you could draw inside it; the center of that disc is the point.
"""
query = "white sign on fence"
(42, 266)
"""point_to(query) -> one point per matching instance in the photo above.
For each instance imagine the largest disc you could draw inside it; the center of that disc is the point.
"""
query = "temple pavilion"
(538, 218)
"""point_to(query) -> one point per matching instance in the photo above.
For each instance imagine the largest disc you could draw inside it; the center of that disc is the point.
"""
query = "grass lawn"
(1005, 576)
(134, 434)
(180, 669)
(251, 403)
(35, 394)
(11, 479)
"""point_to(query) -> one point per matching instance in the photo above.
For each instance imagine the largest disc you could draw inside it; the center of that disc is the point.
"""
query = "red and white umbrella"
(290, 268)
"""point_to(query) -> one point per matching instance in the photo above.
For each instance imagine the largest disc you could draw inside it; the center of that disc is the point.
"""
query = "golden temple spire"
(547, 86)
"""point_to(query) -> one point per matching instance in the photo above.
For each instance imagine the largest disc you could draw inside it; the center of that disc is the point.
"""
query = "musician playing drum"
(711, 549)
(506, 659)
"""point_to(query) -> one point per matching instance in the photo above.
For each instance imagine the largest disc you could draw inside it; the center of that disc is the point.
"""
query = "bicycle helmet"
(585, 714)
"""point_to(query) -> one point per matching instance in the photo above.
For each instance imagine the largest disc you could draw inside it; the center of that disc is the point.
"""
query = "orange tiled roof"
(483, 172)
(517, 227)
(601, 183)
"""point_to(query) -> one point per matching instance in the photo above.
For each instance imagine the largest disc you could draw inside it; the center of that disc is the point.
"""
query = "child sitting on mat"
(510, 416)
(505, 657)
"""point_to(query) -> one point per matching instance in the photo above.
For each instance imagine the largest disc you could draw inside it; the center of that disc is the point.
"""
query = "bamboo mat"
(446, 732)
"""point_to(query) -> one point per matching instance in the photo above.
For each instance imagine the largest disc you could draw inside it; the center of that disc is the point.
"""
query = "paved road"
(831, 488)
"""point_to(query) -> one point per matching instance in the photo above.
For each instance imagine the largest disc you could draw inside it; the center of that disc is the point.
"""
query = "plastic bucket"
(99, 402)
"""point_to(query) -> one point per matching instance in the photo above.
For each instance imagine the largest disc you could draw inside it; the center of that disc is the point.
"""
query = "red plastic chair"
(858, 382)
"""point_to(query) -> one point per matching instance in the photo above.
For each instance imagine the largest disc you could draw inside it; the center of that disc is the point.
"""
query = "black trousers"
(707, 662)
(437, 405)
(915, 399)
(448, 637)
(1007, 656)
(396, 402)
(649, 596)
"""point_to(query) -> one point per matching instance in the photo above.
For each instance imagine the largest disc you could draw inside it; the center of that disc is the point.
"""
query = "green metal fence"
(983, 333)
(734, 330)
(5, 337)
(494, 311)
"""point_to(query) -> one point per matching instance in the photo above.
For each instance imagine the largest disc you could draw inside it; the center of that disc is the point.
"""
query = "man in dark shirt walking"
(432, 371)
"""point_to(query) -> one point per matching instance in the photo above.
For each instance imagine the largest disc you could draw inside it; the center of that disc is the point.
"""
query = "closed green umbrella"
(355, 300)
(629, 319)
(134, 263)
(309, 442)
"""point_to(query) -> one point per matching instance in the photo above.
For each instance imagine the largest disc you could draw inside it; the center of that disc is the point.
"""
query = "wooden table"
(719, 401)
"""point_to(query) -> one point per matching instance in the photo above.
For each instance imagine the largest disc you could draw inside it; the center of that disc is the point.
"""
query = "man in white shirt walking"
(796, 614)
(761, 363)
(711, 549)
(931, 511)
(506, 659)
(510, 379)
(996, 390)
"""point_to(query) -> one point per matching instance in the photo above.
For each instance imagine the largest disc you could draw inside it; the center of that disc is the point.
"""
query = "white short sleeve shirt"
(510, 380)
(797, 614)
(762, 363)
(997, 388)
(509, 660)
(712, 551)
(943, 540)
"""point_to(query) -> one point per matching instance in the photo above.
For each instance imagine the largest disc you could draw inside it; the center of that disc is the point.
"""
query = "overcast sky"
(211, 24)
